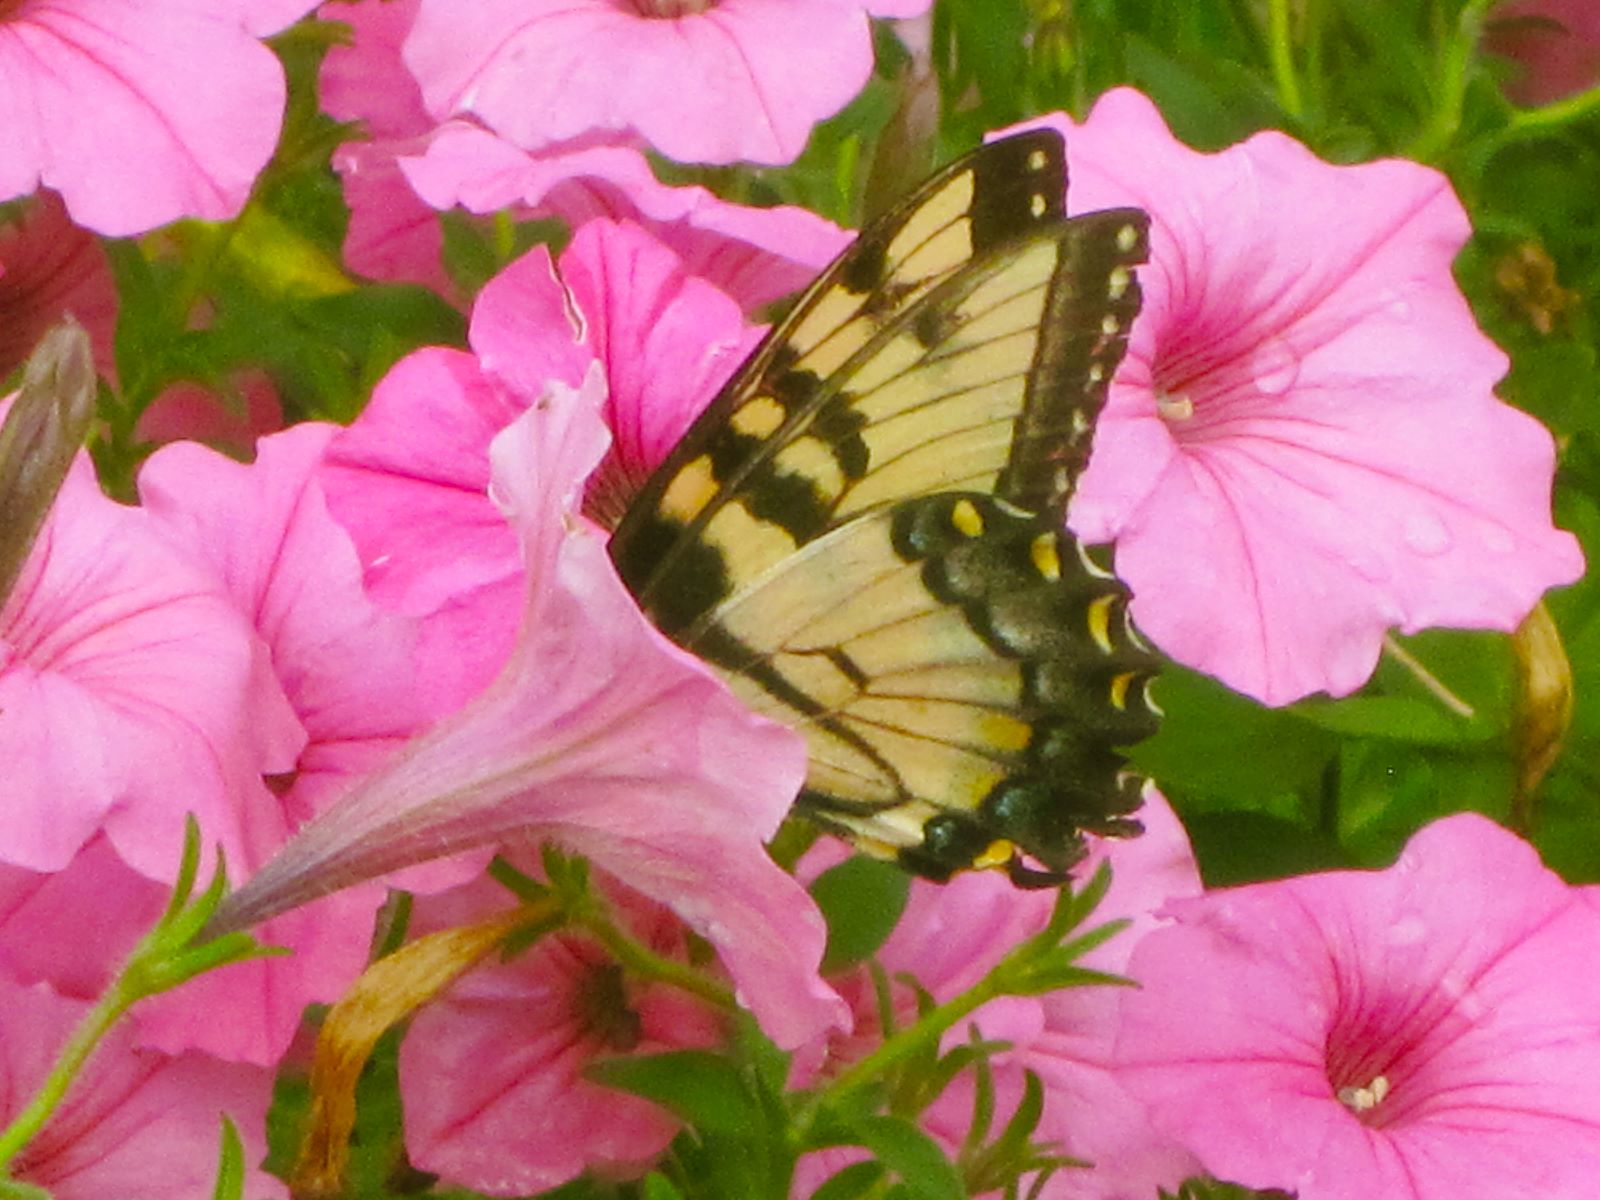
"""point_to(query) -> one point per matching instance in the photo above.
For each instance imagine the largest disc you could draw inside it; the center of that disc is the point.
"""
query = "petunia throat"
(601, 1006)
(666, 10)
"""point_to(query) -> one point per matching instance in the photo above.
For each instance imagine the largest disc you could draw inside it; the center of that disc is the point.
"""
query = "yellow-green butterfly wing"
(864, 531)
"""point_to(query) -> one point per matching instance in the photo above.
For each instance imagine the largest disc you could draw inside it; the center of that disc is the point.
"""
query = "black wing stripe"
(887, 352)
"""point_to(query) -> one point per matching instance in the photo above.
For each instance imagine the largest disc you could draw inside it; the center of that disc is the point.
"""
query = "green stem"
(651, 965)
(1455, 72)
(1427, 678)
(107, 1010)
(1281, 48)
(1558, 113)
(902, 1045)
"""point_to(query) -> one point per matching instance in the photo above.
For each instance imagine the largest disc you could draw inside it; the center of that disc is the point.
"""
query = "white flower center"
(1364, 1099)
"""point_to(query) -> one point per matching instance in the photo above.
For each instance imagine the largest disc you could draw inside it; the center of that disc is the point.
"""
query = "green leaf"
(1223, 745)
(1245, 847)
(1200, 1188)
(912, 1155)
(858, 1179)
(658, 1187)
(1396, 718)
(230, 1164)
(862, 899)
(705, 1090)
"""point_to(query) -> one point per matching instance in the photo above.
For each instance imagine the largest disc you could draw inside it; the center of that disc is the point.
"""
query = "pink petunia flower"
(492, 1072)
(1555, 45)
(713, 81)
(150, 154)
(597, 734)
(50, 268)
(410, 477)
(1428, 1030)
(951, 935)
(1303, 448)
(413, 165)
(346, 665)
(131, 693)
(347, 670)
(137, 1124)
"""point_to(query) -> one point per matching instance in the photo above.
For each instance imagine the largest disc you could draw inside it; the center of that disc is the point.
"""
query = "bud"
(1544, 706)
(40, 436)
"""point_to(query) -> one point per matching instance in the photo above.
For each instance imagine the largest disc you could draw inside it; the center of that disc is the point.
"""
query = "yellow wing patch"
(864, 530)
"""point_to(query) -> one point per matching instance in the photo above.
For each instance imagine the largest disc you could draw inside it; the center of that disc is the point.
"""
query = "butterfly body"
(864, 531)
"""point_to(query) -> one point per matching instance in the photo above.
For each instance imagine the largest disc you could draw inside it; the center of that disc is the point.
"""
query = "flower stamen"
(1364, 1099)
(1174, 408)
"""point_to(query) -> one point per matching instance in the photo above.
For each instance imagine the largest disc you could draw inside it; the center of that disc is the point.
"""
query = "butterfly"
(864, 531)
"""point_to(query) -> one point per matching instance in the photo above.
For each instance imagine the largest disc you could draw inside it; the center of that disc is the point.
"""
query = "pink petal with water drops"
(1428, 1030)
(1303, 449)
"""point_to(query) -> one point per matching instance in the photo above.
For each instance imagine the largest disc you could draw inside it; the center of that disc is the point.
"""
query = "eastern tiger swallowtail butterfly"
(864, 531)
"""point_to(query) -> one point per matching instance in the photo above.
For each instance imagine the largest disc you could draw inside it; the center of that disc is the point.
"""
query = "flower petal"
(151, 154)
(1303, 448)
(746, 79)
(1461, 976)
(600, 735)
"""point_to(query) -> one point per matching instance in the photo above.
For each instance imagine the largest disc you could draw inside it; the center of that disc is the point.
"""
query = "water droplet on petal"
(1408, 931)
(1274, 367)
(1400, 309)
(1425, 533)
(1498, 539)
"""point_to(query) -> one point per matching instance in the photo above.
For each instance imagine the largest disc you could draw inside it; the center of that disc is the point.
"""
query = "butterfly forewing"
(864, 530)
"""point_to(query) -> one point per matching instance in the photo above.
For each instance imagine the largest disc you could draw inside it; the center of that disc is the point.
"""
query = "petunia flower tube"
(150, 154)
(1303, 449)
(599, 735)
(712, 81)
(1429, 1030)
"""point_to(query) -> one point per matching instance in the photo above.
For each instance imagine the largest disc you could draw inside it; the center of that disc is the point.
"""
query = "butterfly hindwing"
(864, 530)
